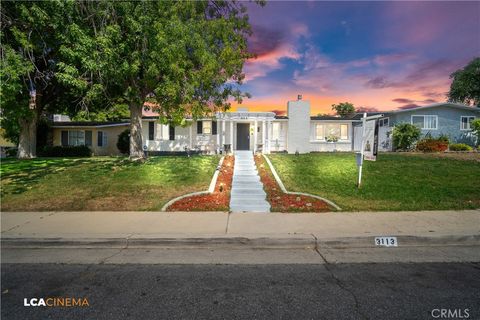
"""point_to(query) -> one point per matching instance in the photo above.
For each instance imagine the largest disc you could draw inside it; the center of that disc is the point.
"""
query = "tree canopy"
(184, 57)
(343, 109)
(465, 87)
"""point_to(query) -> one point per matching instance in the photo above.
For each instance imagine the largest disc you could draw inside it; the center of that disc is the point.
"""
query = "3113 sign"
(386, 241)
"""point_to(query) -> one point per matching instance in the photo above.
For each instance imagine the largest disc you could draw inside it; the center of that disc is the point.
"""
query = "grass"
(102, 183)
(393, 182)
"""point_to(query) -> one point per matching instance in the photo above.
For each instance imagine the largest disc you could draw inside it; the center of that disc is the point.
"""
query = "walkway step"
(249, 208)
(247, 194)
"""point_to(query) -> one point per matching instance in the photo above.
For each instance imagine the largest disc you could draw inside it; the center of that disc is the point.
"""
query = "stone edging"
(282, 186)
(211, 188)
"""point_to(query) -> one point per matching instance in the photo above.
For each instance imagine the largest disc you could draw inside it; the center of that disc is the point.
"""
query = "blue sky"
(377, 55)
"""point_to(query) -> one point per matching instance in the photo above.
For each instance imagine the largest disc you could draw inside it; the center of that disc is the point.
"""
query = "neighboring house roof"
(440, 104)
(89, 124)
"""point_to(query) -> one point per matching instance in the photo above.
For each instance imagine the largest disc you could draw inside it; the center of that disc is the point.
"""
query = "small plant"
(460, 147)
(332, 138)
(475, 125)
(123, 143)
(432, 145)
(405, 135)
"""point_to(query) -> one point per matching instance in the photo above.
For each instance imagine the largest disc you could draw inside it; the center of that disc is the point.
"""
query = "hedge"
(66, 151)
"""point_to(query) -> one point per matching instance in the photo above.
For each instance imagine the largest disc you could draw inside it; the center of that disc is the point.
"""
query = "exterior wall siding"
(448, 122)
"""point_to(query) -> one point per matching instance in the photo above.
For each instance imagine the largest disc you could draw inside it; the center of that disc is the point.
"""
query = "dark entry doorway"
(243, 136)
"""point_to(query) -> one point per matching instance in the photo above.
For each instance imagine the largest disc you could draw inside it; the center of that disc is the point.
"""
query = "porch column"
(218, 139)
(255, 130)
(268, 136)
(191, 135)
(231, 135)
(263, 137)
(223, 132)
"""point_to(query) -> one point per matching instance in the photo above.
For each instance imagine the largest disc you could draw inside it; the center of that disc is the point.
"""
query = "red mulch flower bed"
(282, 202)
(219, 200)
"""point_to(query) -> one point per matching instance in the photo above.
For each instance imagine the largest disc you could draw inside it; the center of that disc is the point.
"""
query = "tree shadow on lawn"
(19, 176)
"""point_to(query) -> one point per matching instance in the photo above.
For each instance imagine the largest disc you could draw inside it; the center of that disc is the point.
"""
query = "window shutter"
(199, 127)
(214, 127)
(171, 132)
(88, 138)
(100, 138)
(64, 138)
(151, 130)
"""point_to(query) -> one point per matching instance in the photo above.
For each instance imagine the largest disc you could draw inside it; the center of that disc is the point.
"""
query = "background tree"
(343, 109)
(465, 87)
(29, 48)
(185, 57)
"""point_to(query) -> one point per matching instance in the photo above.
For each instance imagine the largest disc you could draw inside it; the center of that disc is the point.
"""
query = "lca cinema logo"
(56, 302)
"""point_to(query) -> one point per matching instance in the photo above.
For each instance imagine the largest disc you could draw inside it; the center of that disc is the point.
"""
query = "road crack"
(339, 282)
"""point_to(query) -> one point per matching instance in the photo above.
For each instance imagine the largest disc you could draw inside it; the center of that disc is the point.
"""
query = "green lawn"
(101, 183)
(393, 182)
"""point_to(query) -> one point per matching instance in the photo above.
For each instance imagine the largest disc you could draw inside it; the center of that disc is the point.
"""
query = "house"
(266, 132)
(447, 119)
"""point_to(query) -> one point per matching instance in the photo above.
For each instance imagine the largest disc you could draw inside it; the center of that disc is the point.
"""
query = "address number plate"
(386, 241)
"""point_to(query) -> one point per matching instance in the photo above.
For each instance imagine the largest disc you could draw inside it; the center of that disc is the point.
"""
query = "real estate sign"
(371, 140)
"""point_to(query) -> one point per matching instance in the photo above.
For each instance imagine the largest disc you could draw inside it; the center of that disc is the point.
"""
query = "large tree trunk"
(27, 142)
(136, 146)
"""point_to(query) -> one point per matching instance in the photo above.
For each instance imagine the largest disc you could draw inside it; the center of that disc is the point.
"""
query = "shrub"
(123, 143)
(405, 135)
(432, 145)
(460, 147)
(476, 129)
(66, 151)
(444, 138)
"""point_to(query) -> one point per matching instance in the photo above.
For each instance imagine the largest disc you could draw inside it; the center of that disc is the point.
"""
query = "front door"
(243, 136)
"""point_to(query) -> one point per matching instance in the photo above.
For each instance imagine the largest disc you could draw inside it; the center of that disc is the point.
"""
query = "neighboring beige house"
(101, 137)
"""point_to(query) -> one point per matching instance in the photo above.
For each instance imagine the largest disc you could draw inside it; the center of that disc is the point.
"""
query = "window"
(344, 132)
(425, 122)
(101, 139)
(76, 138)
(466, 122)
(384, 122)
(275, 130)
(322, 131)
(165, 129)
(207, 127)
(319, 132)
(151, 130)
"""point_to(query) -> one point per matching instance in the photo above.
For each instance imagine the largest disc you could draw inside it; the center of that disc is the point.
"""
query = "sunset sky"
(377, 55)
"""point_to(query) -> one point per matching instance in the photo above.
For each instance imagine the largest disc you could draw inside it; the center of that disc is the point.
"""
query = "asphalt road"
(343, 291)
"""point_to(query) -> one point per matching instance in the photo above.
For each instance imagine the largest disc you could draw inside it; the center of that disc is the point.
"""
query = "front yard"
(393, 182)
(101, 183)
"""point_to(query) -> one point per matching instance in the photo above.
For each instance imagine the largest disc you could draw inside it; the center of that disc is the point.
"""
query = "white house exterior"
(255, 131)
(297, 132)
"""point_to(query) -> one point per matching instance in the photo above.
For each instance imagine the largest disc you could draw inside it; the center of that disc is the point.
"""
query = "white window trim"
(203, 127)
(323, 139)
(425, 115)
(68, 138)
(383, 119)
(469, 129)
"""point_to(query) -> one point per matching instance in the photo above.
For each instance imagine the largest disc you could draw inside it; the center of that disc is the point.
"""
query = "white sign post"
(369, 146)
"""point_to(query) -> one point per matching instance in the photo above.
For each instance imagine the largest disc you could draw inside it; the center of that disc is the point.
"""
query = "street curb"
(294, 242)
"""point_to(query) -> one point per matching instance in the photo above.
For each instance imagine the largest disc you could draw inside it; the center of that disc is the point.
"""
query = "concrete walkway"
(137, 225)
(247, 193)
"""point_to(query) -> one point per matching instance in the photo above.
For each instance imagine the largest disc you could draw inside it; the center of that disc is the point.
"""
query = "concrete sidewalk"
(217, 228)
